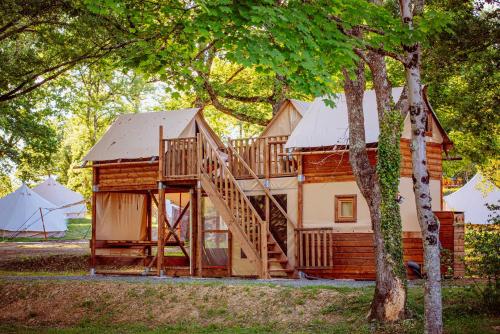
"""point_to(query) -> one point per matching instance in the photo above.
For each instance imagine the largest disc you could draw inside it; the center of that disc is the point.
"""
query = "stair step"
(277, 261)
(281, 270)
(273, 252)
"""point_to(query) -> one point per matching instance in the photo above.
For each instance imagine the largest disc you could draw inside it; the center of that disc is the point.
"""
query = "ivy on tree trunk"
(377, 186)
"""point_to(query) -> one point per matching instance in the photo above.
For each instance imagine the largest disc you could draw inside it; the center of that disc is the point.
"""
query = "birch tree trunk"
(426, 218)
(390, 293)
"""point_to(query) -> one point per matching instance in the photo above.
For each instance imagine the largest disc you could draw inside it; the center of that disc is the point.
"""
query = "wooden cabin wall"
(354, 256)
(127, 177)
(333, 167)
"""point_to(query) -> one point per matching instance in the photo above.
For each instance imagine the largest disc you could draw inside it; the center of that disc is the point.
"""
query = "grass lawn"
(141, 307)
(78, 228)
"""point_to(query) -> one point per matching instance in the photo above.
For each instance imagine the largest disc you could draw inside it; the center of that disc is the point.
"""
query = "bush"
(482, 258)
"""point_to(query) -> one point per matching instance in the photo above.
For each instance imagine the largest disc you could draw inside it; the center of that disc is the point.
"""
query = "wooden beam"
(95, 179)
(199, 231)
(192, 231)
(161, 229)
(161, 155)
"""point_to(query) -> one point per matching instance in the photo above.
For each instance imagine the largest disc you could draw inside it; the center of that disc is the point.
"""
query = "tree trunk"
(390, 266)
(426, 218)
(390, 293)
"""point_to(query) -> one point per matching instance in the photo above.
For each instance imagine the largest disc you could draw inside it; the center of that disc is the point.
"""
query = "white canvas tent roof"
(135, 136)
(471, 199)
(20, 211)
(301, 106)
(326, 126)
(59, 195)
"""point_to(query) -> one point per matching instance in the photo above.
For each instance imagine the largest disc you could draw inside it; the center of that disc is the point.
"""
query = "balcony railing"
(266, 156)
(180, 158)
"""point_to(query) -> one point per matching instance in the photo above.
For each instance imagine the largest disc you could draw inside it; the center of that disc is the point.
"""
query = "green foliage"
(482, 244)
(461, 68)
(28, 138)
(95, 96)
(388, 170)
(40, 40)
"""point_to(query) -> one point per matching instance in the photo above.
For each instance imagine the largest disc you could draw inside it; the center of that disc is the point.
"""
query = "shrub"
(482, 258)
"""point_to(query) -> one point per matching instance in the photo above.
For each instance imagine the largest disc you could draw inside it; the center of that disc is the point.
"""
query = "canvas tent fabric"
(135, 136)
(472, 198)
(323, 125)
(121, 216)
(56, 193)
(301, 106)
(20, 215)
(286, 119)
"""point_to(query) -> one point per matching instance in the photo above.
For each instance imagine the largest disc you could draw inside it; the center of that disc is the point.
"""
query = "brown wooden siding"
(354, 256)
(334, 167)
(130, 177)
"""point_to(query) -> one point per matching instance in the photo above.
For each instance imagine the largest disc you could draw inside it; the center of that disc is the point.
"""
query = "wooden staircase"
(238, 212)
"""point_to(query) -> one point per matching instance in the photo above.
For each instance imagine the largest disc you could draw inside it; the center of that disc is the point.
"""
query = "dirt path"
(12, 250)
(194, 280)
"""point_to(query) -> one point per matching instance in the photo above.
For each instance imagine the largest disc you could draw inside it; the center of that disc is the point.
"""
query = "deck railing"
(180, 158)
(266, 156)
(314, 248)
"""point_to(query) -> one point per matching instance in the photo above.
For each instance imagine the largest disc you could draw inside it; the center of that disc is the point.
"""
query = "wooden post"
(95, 186)
(161, 156)
(192, 230)
(43, 224)
(300, 193)
(199, 230)
(263, 249)
(230, 254)
(161, 228)
(265, 225)
(149, 227)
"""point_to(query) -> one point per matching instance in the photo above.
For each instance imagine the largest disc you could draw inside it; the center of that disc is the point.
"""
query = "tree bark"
(390, 293)
(426, 218)
(391, 272)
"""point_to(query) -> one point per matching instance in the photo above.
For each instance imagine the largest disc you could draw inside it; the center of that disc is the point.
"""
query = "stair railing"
(236, 156)
(214, 167)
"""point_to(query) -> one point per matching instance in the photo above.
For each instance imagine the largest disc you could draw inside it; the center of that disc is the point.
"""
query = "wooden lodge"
(170, 198)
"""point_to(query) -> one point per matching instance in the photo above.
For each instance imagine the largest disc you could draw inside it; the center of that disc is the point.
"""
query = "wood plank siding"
(142, 176)
(335, 167)
(354, 253)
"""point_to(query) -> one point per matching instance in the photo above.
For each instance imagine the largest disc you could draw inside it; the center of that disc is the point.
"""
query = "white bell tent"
(53, 191)
(24, 213)
(472, 199)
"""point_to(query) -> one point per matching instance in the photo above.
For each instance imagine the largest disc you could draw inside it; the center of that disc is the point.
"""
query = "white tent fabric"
(301, 106)
(471, 199)
(135, 136)
(59, 195)
(20, 212)
(323, 125)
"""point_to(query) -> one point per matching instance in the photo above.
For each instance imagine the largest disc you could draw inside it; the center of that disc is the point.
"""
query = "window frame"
(343, 198)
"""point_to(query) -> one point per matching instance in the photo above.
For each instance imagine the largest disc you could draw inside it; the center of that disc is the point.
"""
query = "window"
(345, 209)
